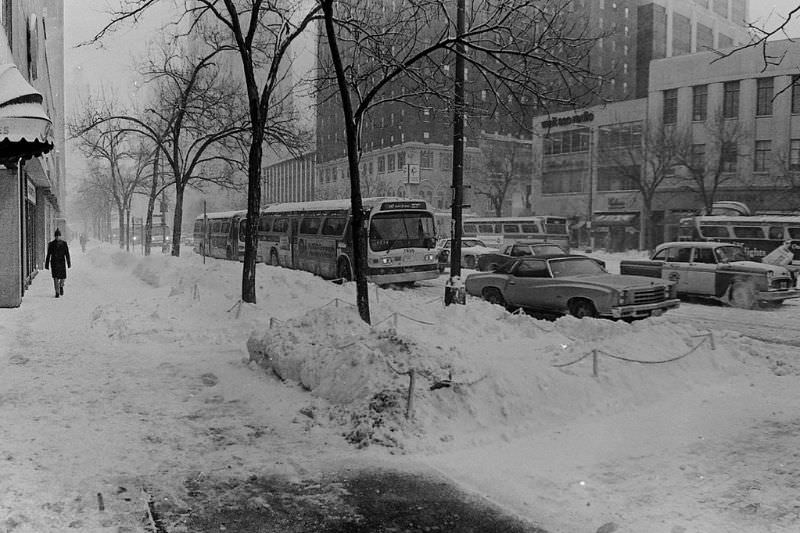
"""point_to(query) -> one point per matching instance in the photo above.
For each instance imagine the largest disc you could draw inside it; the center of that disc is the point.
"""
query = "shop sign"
(31, 191)
(586, 116)
(616, 203)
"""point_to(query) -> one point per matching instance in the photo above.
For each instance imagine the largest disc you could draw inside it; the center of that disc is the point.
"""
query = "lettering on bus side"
(751, 249)
(317, 249)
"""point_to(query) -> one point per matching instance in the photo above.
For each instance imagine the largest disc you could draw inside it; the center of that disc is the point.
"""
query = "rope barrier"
(595, 352)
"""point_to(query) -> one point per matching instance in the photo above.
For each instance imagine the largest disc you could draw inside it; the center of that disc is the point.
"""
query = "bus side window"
(264, 224)
(333, 226)
(510, 228)
(486, 228)
(530, 228)
(719, 232)
(776, 233)
(470, 228)
(281, 225)
(310, 226)
(748, 232)
(794, 233)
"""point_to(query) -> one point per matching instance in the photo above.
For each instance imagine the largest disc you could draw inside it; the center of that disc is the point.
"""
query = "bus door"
(232, 244)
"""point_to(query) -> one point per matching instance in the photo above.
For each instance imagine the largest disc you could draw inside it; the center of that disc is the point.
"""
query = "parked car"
(716, 270)
(572, 284)
(509, 252)
(471, 250)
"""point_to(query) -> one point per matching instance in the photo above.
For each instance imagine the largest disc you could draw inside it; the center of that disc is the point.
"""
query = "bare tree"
(644, 157)
(761, 34)
(714, 163)
(525, 55)
(506, 168)
(260, 34)
(106, 146)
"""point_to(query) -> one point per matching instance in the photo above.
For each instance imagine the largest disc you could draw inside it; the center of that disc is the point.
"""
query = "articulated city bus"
(316, 237)
(757, 234)
(496, 231)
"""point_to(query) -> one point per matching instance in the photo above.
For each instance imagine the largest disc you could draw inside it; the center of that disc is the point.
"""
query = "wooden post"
(594, 363)
(410, 399)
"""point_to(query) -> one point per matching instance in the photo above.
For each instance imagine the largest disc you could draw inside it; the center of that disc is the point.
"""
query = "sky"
(770, 14)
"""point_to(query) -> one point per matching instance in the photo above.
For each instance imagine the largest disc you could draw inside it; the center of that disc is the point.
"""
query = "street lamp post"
(454, 289)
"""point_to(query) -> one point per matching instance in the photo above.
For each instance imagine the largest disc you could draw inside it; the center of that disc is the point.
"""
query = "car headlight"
(386, 260)
(623, 297)
(770, 275)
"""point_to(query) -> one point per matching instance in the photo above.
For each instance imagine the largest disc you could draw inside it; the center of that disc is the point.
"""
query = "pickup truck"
(719, 271)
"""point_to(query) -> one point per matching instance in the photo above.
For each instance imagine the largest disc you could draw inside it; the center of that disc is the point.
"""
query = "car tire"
(493, 296)
(580, 308)
(469, 261)
(743, 295)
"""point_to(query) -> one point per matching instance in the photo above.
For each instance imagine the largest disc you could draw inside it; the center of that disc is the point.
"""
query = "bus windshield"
(400, 230)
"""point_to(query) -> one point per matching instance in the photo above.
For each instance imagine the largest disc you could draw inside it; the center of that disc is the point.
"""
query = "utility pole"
(454, 288)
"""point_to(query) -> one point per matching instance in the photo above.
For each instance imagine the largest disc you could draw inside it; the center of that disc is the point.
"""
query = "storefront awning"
(615, 219)
(25, 129)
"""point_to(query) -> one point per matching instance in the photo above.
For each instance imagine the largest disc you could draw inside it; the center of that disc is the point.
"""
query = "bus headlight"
(430, 257)
(386, 260)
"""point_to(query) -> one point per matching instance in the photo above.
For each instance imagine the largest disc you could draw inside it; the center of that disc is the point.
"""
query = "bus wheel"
(273, 258)
(343, 271)
(580, 308)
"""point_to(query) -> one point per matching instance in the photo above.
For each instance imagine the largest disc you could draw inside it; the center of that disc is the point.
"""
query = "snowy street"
(138, 385)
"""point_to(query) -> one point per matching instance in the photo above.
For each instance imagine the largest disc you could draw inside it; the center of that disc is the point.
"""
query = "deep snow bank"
(480, 372)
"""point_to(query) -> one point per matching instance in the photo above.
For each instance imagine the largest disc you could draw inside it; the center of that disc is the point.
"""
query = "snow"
(151, 369)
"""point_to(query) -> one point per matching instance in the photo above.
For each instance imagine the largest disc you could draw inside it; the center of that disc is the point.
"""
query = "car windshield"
(727, 254)
(575, 266)
(466, 243)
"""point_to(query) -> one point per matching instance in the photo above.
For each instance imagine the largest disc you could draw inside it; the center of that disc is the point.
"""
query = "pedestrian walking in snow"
(83, 243)
(58, 258)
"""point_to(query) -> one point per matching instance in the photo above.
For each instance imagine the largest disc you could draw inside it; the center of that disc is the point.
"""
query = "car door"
(530, 285)
(676, 266)
(702, 272)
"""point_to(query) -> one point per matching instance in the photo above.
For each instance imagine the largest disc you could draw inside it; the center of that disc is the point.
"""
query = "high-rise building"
(407, 149)
(31, 139)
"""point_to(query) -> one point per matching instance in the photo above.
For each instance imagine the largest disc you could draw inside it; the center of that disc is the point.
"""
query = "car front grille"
(781, 284)
(650, 296)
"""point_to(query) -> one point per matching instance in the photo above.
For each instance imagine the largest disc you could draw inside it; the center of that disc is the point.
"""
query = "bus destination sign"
(388, 206)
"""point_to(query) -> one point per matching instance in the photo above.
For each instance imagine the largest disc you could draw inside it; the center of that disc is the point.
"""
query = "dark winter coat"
(58, 258)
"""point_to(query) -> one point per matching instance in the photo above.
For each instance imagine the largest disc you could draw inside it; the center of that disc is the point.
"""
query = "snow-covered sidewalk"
(140, 378)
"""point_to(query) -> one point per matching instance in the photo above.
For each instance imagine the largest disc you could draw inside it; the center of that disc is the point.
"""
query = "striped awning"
(25, 129)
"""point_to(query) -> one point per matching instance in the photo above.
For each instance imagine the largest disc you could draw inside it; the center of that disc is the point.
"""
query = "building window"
(371, 168)
(390, 162)
(562, 182)
(670, 106)
(764, 92)
(698, 160)
(699, 102)
(618, 179)
(426, 159)
(796, 95)
(728, 156)
(445, 161)
(794, 155)
(401, 160)
(730, 100)
(381, 165)
(761, 162)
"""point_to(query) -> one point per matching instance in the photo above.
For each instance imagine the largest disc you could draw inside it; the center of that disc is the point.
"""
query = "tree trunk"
(151, 203)
(177, 219)
(253, 208)
(121, 212)
(356, 206)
